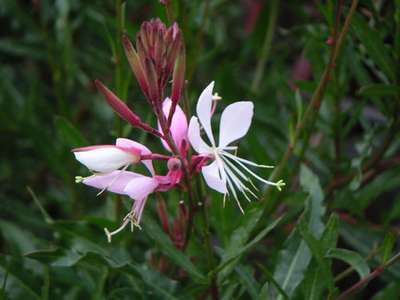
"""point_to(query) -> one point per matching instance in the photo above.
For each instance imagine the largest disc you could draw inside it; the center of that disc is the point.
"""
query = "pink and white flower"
(109, 164)
(135, 185)
(227, 173)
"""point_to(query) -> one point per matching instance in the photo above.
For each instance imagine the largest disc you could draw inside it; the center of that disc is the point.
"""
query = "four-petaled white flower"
(228, 172)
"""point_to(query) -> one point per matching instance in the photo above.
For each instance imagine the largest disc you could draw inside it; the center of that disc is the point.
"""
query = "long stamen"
(224, 200)
(242, 188)
(240, 173)
(277, 184)
(79, 179)
(230, 185)
(231, 148)
(129, 218)
(114, 180)
(119, 229)
(245, 161)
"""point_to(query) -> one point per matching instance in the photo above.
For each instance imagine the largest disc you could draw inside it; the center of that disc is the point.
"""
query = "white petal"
(195, 139)
(203, 110)
(127, 143)
(105, 159)
(212, 178)
(140, 187)
(235, 122)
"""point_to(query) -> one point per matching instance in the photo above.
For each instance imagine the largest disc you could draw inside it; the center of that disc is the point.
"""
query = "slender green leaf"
(388, 246)
(231, 258)
(71, 137)
(270, 279)
(240, 237)
(247, 280)
(166, 246)
(315, 280)
(352, 258)
(294, 259)
(379, 90)
(372, 41)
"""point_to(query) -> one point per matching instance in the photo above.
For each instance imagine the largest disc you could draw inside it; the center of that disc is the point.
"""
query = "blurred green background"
(52, 244)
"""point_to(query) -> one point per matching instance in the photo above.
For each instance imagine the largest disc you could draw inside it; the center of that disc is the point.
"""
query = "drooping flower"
(135, 185)
(108, 158)
(109, 164)
(228, 173)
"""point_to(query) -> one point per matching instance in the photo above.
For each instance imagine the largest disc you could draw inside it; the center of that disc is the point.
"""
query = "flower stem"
(266, 46)
(209, 250)
(363, 282)
(119, 9)
(308, 120)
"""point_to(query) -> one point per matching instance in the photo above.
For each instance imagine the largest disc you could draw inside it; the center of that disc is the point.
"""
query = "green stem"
(266, 46)
(119, 9)
(316, 100)
(209, 250)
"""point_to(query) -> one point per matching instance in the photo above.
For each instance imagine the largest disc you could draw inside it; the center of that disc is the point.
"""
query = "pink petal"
(235, 122)
(140, 187)
(179, 124)
(203, 110)
(129, 144)
(115, 182)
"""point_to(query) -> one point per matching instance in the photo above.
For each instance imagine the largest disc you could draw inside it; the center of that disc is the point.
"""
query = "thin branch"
(363, 282)
(315, 103)
(266, 46)
(370, 170)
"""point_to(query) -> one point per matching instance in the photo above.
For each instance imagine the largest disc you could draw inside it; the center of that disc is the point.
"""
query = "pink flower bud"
(330, 41)
(118, 106)
(158, 50)
(174, 164)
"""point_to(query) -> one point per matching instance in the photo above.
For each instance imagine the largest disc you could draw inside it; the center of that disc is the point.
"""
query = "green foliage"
(333, 224)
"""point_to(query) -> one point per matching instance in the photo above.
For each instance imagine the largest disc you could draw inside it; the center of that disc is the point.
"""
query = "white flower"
(228, 173)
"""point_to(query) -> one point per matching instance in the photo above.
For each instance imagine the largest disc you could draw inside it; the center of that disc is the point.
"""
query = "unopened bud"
(174, 164)
(118, 105)
(330, 41)
(164, 2)
(156, 55)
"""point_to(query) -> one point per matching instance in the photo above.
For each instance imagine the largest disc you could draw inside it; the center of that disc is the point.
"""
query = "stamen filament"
(277, 184)
(114, 180)
(245, 161)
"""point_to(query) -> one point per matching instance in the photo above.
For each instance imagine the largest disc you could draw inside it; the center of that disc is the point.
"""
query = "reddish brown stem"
(364, 281)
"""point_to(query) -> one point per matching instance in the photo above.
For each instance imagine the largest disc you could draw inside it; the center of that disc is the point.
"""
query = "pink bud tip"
(118, 106)
(174, 164)
(330, 41)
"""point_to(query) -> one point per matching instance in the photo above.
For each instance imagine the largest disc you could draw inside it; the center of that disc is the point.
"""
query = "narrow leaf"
(379, 90)
(352, 258)
(71, 136)
(370, 38)
(166, 246)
